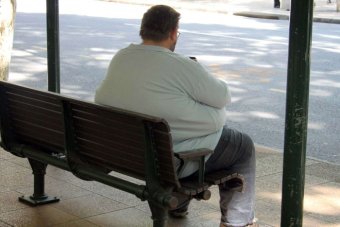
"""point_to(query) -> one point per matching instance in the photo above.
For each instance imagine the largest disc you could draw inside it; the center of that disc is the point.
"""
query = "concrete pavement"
(90, 204)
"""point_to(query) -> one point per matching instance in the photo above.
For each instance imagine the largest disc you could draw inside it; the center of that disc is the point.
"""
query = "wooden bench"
(91, 140)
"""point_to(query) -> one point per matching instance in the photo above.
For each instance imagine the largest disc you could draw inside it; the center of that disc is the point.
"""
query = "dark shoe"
(249, 225)
(179, 212)
(182, 209)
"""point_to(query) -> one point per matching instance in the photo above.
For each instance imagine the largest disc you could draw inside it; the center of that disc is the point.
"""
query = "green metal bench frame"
(91, 140)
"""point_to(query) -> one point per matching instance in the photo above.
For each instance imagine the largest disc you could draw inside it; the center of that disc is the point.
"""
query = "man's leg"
(182, 209)
(235, 152)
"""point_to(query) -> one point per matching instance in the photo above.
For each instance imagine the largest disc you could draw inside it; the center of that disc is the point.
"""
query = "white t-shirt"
(156, 81)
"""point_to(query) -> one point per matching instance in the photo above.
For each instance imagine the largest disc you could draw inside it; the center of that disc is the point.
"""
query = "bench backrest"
(31, 117)
(97, 135)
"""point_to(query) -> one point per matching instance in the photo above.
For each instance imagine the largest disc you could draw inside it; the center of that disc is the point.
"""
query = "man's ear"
(173, 34)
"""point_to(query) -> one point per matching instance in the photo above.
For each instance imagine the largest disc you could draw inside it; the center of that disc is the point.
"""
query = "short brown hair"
(158, 22)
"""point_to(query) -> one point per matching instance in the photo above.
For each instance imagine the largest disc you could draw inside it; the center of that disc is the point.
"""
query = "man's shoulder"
(184, 59)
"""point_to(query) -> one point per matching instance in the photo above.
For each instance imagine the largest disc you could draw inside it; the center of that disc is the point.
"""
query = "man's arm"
(209, 90)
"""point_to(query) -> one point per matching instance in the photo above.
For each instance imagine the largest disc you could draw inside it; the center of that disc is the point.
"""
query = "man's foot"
(254, 224)
(179, 212)
(182, 209)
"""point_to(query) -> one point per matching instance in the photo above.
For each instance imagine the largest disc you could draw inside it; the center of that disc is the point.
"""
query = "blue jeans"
(235, 152)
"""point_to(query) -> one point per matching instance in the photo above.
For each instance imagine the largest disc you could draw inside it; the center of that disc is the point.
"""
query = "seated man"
(150, 78)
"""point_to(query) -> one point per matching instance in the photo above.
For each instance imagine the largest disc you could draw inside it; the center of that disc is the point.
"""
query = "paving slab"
(321, 201)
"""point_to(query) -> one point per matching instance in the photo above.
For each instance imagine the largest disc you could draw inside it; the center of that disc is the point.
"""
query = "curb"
(275, 16)
(260, 15)
(326, 20)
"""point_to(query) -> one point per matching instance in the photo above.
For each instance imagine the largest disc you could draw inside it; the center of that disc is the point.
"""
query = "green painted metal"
(32, 153)
(39, 196)
(53, 55)
(132, 188)
(296, 112)
(201, 170)
(152, 178)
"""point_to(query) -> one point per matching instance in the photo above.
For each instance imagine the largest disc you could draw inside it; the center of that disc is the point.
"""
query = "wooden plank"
(38, 119)
(50, 104)
(112, 152)
(109, 138)
(110, 121)
(48, 135)
(121, 162)
(108, 131)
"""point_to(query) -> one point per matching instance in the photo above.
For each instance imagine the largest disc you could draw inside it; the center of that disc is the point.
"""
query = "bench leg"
(39, 197)
(159, 214)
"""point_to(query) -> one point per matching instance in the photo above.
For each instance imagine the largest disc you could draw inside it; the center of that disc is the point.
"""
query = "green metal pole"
(53, 56)
(301, 21)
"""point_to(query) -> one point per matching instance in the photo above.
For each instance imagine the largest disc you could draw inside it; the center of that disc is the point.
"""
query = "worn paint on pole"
(53, 56)
(301, 20)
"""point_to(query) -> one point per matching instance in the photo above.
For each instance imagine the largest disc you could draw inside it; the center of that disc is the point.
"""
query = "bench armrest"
(193, 154)
(197, 155)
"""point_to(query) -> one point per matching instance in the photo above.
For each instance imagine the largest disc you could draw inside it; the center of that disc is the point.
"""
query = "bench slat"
(35, 117)
(24, 127)
(96, 135)
(110, 122)
(121, 166)
(95, 130)
(110, 151)
(41, 118)
(40, 101)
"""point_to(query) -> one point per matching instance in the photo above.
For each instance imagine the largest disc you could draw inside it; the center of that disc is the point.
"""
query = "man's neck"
(164, 44)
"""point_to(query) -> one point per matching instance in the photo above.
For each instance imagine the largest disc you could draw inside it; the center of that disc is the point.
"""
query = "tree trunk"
(7, 16)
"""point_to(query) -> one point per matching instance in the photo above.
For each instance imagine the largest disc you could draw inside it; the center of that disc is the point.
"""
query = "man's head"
(160, 23)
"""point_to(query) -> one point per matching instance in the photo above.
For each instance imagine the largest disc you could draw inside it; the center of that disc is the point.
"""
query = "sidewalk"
(323, 11)
(89, 204)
